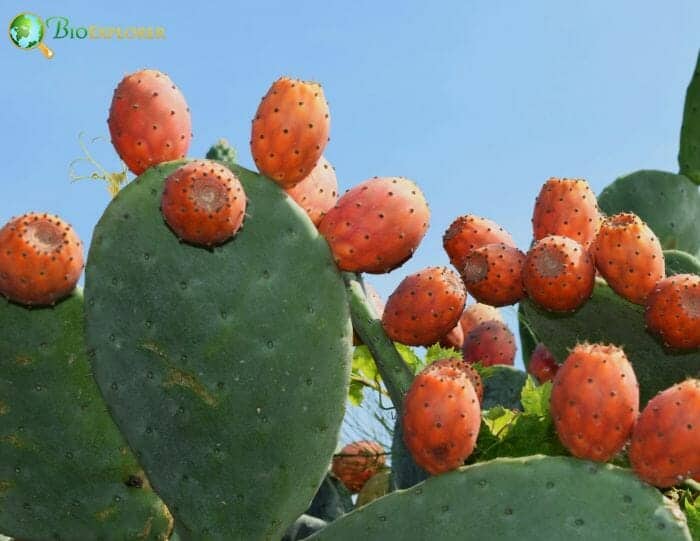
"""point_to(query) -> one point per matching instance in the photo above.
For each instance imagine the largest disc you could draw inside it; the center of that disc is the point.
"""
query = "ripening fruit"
(665, 446)
(493, 274)
(318, 192)
(559, 274)
(290, 130)
(454, 338)
(489, 343)
(543, 366)
(478, 313)
(629, 256)
(357, 462)
(203, 202)
(377, 225)
(441, 417)
(673, 311)
(566, 207)
(41, 259)
(595, 401)
(149, 120)
(424, 307)
(469, 232)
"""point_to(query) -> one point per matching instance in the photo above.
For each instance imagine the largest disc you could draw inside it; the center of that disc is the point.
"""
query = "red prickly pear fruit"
(424, 307)
(629, 256)
(559, 274)
(566, 207)
(290, 130)
(377, 225)
(41, 259)
(441, 417)
(489, 343)
(673, 311)
(666, 439)
(203, 202)
(543, 366)
(318, 192)
(478, 313)
(378, 303)
(357, 462)
(469, 232)
(595, 401)
(467, 368)
(149, 120)
(454, 338)
(493, 274)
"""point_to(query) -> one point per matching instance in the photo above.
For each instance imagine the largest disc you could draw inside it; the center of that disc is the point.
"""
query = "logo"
(27, 31)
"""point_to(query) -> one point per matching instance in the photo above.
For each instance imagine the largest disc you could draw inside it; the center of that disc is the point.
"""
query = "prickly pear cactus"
(226, 369)
(502, 386)
(678, 262)
(404, 471)
(689, 153)
(608, 318)
(670, 204)
(535, 497)
(66, 471)
(222, 151)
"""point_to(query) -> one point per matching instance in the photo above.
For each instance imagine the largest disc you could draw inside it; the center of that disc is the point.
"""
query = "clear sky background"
(478, 101)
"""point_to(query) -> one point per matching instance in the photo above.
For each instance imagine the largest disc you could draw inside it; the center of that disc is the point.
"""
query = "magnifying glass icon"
(26, 32)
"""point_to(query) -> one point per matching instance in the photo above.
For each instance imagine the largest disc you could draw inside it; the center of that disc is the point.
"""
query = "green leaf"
(512, 433)
(410, 358)
(692, 513)
(497, 420)
(363, 363)
(437, 352)
(355, 393)
(535, 398)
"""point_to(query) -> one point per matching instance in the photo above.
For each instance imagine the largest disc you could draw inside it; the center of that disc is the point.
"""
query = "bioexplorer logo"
(27, 31)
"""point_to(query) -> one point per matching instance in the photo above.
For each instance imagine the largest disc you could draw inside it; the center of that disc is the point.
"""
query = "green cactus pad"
(226, 369)
(502, 386)
(519, 499)
(331, 501)
(678, 262)
(689, 153)
(528, 340)
(66, 471)
(668, 203)
(222, 151)
(608, 318)
(404, 471)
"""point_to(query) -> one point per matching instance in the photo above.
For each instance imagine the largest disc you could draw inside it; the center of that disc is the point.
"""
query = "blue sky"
(478, 102)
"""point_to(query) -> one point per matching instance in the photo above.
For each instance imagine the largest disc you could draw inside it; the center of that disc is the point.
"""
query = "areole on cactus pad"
(225, 368)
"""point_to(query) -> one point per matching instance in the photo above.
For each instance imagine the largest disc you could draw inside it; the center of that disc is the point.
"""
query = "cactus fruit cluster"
(198, 390)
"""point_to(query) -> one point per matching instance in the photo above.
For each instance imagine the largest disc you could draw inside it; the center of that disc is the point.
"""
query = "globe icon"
(27, 32)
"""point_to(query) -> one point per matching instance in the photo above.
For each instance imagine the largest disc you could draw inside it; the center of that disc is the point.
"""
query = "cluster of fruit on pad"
(208, 367)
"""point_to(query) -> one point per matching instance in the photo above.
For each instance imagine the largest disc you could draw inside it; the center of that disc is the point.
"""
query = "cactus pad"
(678, 262)
(668, 203)
(502, 386)
(66, 471)
(608, 318)
(535, 497)
(689, 153)
(226, 369)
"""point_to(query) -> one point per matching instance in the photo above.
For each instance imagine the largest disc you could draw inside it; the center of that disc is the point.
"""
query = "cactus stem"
(396, 374)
